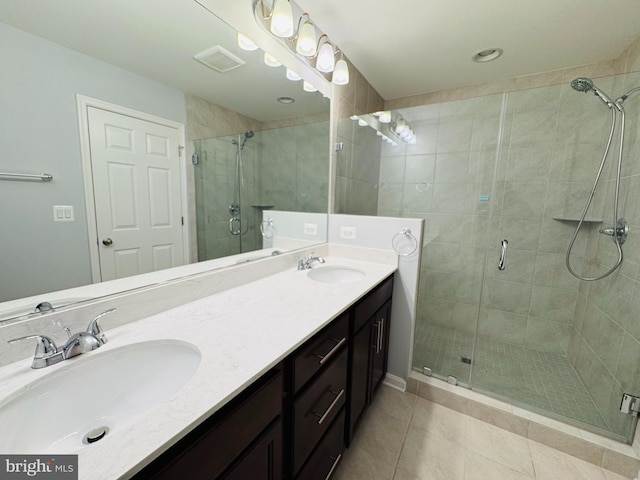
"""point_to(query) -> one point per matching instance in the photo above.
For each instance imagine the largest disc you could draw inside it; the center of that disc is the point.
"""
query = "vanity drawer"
(317, 407)
(325, 460)
(368, 306)
(323, 348)
(211, 448)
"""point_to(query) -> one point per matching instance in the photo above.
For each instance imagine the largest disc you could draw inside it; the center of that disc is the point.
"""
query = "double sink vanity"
(264, 380)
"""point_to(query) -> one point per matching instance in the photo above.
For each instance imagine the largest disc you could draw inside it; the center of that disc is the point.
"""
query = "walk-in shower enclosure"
(519, 167)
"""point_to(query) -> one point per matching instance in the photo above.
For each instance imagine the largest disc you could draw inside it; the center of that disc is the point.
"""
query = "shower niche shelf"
(569, 218)
(262, 206)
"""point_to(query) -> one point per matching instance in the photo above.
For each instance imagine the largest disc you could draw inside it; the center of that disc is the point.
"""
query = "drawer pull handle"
(336, 461)
(324, 358)
(324, 416)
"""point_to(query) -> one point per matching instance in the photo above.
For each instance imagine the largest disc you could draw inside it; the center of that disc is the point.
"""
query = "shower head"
(586, 85)
(247, 135)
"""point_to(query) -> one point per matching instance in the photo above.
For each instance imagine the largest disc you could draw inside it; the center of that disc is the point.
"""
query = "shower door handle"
(235, 226)
(503, 254)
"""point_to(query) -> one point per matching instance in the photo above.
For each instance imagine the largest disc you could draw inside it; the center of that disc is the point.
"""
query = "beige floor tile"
(441, 420)
(429, 456)
(481, 468)
(381, 435)
(361, 465)
(504, 447)
(550, 464)
(396, 403)
(613, 476)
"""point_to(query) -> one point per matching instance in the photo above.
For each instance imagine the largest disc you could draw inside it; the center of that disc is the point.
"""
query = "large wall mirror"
(253, 142)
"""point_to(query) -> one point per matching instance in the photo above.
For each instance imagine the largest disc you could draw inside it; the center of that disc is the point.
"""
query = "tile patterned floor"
(544, 381)
(405, 437)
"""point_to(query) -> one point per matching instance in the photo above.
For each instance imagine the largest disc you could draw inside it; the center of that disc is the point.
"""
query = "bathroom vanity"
(295, 420)
(276, 368)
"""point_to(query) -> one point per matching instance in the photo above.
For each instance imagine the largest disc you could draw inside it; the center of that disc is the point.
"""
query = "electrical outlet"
(348, 233)
(310, 228)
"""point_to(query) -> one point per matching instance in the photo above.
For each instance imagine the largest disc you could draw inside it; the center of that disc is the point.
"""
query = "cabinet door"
(359, 377)
(379, 346)
(263, 461)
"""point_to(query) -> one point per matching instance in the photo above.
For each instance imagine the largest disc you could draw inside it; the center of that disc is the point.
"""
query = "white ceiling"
(158, 39)
(407, 47)
(402, 47)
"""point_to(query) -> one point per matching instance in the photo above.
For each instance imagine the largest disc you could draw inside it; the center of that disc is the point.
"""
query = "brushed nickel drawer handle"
(324, 358)
(324, 416)
(336, 461)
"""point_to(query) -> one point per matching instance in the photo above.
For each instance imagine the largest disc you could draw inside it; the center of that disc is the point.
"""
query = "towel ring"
(267, 228)
(405, 233)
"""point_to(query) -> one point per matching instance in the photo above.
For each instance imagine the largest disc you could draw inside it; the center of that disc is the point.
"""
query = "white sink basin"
(335, 274)
(98, 392)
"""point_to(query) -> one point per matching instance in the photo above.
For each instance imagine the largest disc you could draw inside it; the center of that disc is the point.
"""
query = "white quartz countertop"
(241, 333)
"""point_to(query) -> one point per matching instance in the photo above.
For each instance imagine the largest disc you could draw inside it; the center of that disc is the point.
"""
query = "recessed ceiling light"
(487, 55)
(286, 100)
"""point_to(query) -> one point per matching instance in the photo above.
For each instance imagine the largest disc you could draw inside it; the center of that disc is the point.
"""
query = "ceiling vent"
(219, 59)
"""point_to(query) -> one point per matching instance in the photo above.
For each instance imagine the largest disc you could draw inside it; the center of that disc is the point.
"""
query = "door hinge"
(182, 220)
(630, 404)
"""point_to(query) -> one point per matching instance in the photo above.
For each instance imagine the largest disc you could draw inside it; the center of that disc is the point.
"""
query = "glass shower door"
(532, 349)
(458, 140)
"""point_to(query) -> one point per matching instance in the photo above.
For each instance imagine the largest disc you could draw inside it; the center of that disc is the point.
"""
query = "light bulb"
(293, 76)
(282, 19)
(306, 44)
(341, 73)
(245, 43)
(385, 117)
(362, 123)
(401, 126)
(326, 60)
(308, 87)
(271, 61)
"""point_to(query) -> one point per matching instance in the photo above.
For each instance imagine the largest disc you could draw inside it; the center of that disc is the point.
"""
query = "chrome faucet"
(306, 264)
(47, 353)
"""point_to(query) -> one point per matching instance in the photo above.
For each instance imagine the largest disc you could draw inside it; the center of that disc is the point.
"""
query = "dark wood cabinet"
(226, 439)
(369, 351)
(295, 421)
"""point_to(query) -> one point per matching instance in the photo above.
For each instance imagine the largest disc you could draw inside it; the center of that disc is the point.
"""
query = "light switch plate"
(63, 213)
(348, 232)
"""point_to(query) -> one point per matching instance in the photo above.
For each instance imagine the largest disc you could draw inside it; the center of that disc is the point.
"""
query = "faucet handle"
(95, 329)
(44, 347)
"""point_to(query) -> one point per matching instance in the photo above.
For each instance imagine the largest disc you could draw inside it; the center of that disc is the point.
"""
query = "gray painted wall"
(39, 133)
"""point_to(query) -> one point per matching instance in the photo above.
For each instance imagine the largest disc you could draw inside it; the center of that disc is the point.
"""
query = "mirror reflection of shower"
(619, 228)
(237, 225)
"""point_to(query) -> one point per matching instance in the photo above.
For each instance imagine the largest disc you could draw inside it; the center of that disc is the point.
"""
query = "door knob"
(107, 241)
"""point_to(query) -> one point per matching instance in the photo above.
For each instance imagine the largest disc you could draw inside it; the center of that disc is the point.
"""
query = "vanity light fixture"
(326, 60)
(401, 129)
(341, 72)
(309, 87)
(245, 43)
(306, 42)
(293, 76)
(276, 16)
(281, 19)
(271, 61)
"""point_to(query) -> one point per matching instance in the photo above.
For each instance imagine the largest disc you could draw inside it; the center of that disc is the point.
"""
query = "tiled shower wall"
(605, 339)
(283, 168)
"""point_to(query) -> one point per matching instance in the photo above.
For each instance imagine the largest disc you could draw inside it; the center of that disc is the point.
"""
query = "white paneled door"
(136, 185)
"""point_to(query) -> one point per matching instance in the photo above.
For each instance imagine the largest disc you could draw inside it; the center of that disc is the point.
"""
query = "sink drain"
(95, 435)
